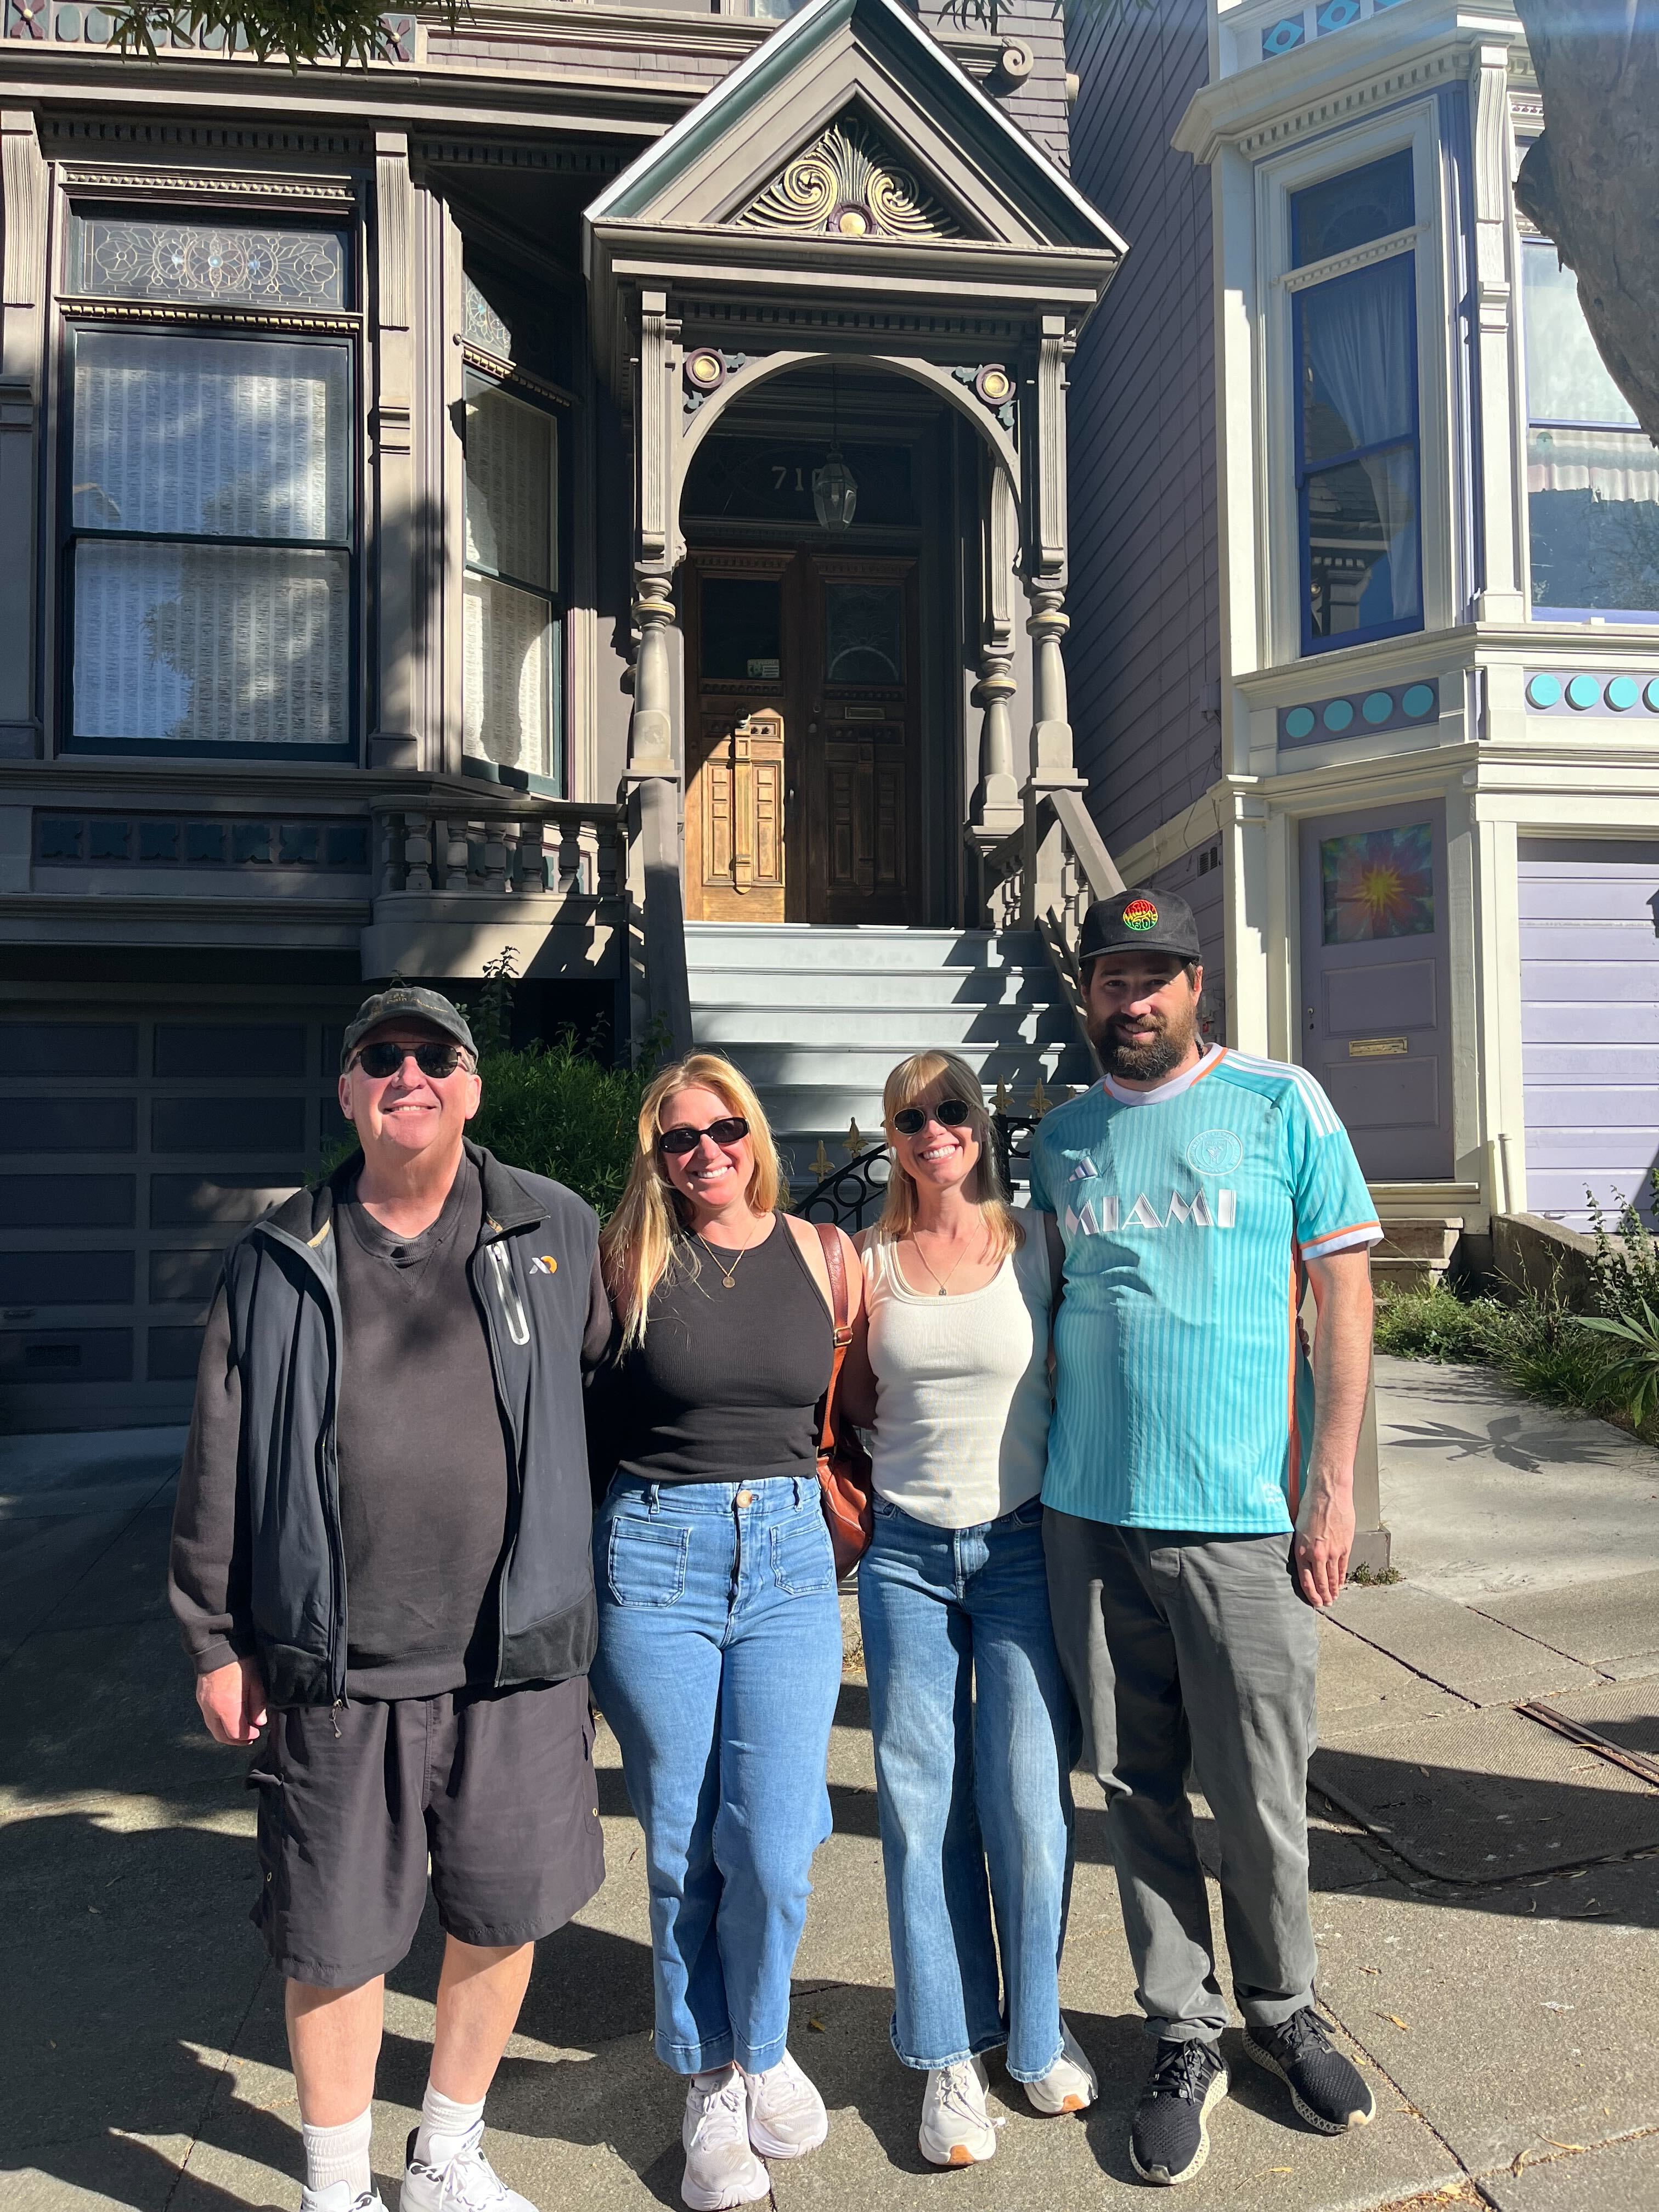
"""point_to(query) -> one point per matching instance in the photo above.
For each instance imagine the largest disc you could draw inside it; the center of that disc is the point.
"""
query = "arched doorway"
(821, 728)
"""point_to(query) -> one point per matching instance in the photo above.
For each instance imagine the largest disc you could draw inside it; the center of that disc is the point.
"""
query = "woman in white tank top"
(975, 1728)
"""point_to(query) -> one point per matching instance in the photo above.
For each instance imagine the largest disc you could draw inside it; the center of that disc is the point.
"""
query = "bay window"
(210, 519)
(1356, 447)
(1592, 472)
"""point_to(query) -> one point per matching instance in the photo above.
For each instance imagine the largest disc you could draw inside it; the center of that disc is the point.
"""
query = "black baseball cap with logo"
(1139, 921)
(407, 1002)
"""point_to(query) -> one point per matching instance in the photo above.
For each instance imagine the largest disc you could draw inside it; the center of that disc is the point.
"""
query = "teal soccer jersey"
(1182, 1399)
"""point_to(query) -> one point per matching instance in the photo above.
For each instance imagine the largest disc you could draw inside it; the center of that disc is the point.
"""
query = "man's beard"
(1142, 1062)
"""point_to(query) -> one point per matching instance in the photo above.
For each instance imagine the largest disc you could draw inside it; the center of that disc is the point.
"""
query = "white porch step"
(817, 1018)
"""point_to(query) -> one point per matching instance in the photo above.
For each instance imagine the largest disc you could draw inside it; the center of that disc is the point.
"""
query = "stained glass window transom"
(484, 328)
(222, 263)
(1377, 883)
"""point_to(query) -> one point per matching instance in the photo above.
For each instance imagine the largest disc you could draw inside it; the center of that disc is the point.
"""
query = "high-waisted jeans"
(975, 1737)
(719, 1666)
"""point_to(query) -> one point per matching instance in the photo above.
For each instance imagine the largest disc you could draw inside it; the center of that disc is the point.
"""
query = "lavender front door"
(1376, 1012)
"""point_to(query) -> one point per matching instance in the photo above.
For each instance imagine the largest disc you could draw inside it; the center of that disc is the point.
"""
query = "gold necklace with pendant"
(944, 1285)
(730, 1281)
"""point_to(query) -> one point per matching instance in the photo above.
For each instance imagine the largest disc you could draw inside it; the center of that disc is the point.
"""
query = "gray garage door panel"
(1590, 1022)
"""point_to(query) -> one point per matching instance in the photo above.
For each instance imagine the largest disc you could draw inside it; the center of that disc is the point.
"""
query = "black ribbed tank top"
(725, 1385)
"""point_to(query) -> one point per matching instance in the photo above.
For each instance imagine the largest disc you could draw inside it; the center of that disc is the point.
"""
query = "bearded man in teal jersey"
(1199, 1498)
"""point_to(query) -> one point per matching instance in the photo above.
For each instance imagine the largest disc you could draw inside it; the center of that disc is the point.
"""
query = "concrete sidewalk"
(1505, 2023)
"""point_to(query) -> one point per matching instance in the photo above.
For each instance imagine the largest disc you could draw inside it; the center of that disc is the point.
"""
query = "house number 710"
(780, 477)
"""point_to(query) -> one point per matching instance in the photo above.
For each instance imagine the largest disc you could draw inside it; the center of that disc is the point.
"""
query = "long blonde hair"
(955, 1079)
(636, 1245)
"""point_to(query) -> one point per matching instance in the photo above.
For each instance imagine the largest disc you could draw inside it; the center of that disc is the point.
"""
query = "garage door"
(1590, 993)
(132, 1148)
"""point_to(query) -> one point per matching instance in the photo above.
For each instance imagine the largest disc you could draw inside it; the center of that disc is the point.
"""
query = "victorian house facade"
(1366, 622)
(590, 487)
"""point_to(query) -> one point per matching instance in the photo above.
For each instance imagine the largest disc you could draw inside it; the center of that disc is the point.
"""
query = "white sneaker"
(720, 2169)
(338, 2197)
(955, 2129)
(465, 2182)
(1069, 2085)
(786, 2116)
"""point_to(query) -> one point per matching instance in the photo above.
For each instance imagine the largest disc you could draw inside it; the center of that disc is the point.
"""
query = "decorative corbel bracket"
(993, 385)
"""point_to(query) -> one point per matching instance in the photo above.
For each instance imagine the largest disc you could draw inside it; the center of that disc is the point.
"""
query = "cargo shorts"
(491, 1791)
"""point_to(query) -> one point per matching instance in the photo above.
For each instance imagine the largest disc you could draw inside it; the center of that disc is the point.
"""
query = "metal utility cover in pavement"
(1498, 1794)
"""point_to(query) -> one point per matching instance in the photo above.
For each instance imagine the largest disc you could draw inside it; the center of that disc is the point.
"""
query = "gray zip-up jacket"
(257, 1565)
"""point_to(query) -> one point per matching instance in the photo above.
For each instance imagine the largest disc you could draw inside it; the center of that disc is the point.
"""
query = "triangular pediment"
(852, 122)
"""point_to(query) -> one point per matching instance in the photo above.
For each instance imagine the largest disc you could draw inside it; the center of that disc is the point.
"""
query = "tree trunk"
(1591, 182)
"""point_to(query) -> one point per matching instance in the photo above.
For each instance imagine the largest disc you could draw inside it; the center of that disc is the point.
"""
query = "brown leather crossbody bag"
(844, 1470)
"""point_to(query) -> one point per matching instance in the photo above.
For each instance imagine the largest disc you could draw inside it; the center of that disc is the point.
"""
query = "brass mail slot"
(854, 712)
(1377, 1047)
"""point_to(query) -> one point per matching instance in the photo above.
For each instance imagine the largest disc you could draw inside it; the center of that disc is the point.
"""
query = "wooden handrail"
(1088, 846)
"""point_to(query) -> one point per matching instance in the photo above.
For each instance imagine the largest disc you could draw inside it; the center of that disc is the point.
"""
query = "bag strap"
(829, 1238)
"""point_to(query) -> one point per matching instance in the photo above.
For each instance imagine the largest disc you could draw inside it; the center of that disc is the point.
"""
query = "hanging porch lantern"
(835, 492)
(835, 487)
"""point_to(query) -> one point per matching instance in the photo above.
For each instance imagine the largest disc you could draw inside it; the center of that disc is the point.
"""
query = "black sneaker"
(1328, 2090)
(1170, 2137)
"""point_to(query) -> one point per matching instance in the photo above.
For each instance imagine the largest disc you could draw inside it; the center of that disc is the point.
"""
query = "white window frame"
(1415, 128)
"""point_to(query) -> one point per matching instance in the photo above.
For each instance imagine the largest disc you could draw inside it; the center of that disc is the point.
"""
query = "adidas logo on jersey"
(1104, 1217)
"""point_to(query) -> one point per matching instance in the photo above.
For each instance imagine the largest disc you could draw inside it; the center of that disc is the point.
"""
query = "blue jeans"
(975, 1734)
(719, 1666)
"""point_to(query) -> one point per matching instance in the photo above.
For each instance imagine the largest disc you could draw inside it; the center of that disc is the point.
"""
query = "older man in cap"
(1199, 1498)
(380, 1560)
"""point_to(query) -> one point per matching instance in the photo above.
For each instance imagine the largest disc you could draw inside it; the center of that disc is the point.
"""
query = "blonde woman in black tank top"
(720, 1629)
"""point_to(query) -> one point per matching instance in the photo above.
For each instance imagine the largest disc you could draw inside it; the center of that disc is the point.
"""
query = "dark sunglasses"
(950, 1114)
(437, 1060)
(730, 1129)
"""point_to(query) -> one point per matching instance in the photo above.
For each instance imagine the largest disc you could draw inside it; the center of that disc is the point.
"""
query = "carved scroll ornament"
(847, 183)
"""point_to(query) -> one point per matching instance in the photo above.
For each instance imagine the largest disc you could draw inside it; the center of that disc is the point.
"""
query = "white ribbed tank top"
(963, 1393)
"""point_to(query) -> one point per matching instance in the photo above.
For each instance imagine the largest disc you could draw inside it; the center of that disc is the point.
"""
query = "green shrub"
(553, 1111)
(1434, 1324)
(1543, 1348)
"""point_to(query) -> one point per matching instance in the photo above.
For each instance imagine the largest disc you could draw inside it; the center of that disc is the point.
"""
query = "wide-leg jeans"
(719, 1666)
(975, 1733)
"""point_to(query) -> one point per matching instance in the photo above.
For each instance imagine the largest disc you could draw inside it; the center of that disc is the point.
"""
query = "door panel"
(803, 738)
(861, 758)
(1374, 985)
(738, 637)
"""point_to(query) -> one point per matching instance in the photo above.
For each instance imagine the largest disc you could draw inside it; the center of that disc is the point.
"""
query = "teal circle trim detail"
(1622, 694)
(1299, 722)
(1652, 694)
(1584, 692)
(1543, 691)
(1377, 706)
(1419, 701)
(1338, 714)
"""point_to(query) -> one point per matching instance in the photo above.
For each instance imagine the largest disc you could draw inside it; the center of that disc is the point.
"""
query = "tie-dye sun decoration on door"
(1379, 883)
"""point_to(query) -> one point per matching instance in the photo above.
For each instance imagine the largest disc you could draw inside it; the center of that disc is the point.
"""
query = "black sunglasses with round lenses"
(730, 1129)
(950, 1114)
(437, 1060)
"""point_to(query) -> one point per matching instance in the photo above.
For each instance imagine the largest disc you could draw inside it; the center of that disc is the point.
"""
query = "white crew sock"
(443, 2124)
(336, 2154)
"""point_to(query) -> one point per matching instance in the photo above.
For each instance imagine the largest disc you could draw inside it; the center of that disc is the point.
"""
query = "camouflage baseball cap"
(406, 1002)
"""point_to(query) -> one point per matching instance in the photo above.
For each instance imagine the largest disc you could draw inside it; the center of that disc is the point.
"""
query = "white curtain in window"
(232, 437)
(210, 644)
(507, 676)
(1358, 332)
(510, 505)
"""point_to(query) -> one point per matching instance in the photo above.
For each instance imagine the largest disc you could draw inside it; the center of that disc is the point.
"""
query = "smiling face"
(1142, 1013)
(712, 1179)
(939, 1157)
(409, 1116)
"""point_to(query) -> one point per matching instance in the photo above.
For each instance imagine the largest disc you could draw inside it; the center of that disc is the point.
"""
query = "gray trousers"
(1196, 1650)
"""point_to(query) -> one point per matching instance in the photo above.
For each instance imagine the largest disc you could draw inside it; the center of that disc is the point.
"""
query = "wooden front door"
(1375, 976)
(802, 751)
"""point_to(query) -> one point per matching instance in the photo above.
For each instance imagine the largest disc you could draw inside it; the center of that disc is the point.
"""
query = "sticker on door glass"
(1377, 883)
